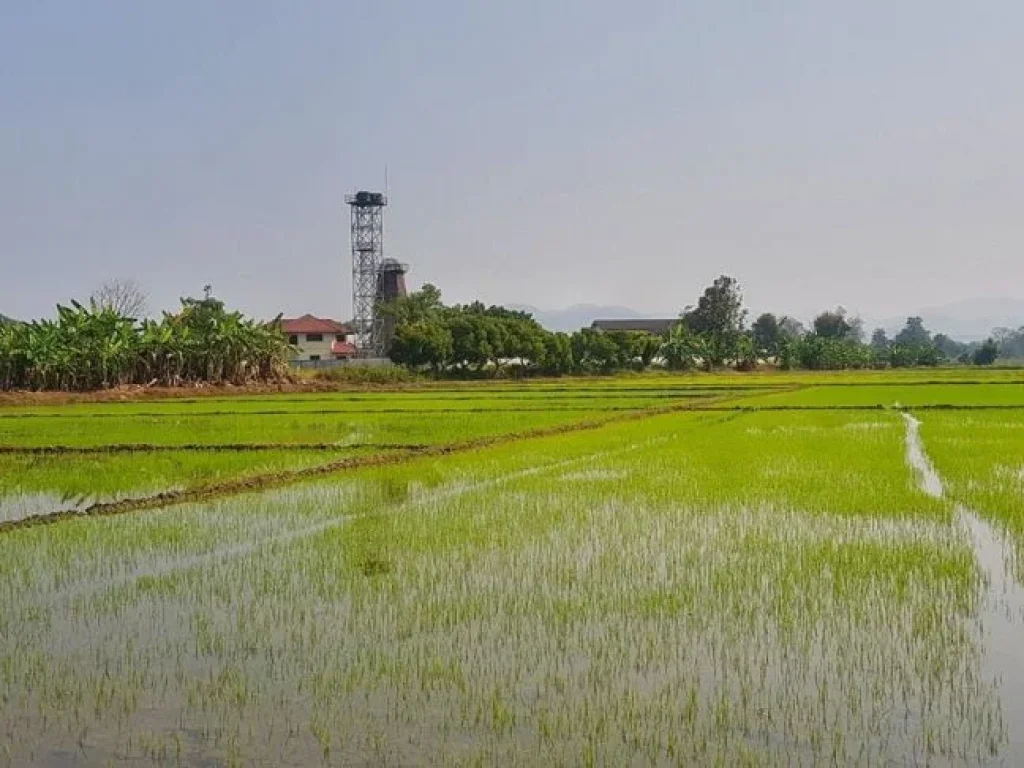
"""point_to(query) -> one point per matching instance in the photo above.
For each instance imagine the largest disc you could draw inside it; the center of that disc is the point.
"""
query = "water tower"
(391, 280)
(390, 286)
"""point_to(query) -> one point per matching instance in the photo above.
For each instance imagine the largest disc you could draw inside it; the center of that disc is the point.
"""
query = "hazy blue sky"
(863, 153)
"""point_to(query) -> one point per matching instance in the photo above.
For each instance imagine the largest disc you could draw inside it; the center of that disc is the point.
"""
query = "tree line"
(1010, 342)
(473, 339)
(97, 346)
(102, 345)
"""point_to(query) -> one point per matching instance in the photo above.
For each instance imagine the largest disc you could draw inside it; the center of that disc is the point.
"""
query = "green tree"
(856, 332)
(646, 347)
(816, 352)
(471, 338)
(987, 353)
(422, 344)
(524, 341)
(718, 319)
(901, 355)
(419, 306)
(949, 347)
(929, 355)
(789, 348)
(682, 349)
(913, 345)
(767, 335)
(791, 329)
(746, 353)
(557, 358)
(914, 334)
(594, 351)
(94, 347)
(1010, 342)
(625, 349)
(880, 343)
(832, 324)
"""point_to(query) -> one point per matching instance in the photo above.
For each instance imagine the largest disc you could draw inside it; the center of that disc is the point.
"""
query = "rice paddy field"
(758, 569)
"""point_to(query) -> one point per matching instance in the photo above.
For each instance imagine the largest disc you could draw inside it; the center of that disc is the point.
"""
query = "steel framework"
(367, 255)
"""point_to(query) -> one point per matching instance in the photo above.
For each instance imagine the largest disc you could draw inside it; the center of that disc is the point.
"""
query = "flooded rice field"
(775, 588)
(22, 504)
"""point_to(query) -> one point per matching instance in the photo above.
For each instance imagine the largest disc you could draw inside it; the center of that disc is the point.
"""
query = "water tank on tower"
(391, 280)
(390, 286)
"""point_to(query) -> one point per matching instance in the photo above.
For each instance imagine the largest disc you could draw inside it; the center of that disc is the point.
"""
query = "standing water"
(1002, 608)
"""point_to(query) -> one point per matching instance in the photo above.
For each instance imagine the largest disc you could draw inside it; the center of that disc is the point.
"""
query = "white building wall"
(310, 350)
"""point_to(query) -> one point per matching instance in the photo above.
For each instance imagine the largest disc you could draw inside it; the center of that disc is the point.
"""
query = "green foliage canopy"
(94, 347)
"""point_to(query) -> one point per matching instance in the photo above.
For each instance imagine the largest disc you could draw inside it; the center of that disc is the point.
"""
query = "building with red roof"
(319, 338)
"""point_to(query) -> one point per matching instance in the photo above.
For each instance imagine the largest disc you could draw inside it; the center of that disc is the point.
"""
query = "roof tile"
(311, 324)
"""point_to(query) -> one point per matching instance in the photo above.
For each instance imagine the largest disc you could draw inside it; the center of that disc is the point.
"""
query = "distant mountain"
(966, 320)
(5, 319)
(582, 315)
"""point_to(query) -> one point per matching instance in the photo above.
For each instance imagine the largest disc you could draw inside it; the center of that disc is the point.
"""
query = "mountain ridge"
(971, 319)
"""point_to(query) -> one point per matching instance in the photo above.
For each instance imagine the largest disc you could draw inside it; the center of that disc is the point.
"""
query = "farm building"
(318, 338)
(655, 327)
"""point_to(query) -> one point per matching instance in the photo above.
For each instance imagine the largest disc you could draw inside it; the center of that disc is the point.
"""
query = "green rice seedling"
(342, 429)
(980, 456)
(33, 484)
(691, 588)
(384, 402)
(893, 395)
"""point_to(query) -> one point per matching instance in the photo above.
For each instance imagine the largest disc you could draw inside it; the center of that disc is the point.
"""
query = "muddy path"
(89, 450)
(356, 412)
(418, 386)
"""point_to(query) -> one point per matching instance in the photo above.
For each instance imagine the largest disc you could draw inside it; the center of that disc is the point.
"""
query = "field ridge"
(290, 476)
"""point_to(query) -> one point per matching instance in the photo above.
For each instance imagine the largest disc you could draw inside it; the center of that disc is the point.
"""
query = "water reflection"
(24, 504)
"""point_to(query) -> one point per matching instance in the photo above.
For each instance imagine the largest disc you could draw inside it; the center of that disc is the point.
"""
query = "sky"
(548, 153)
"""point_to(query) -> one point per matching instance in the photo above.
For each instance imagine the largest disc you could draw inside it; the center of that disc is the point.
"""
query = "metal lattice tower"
(367, 255)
